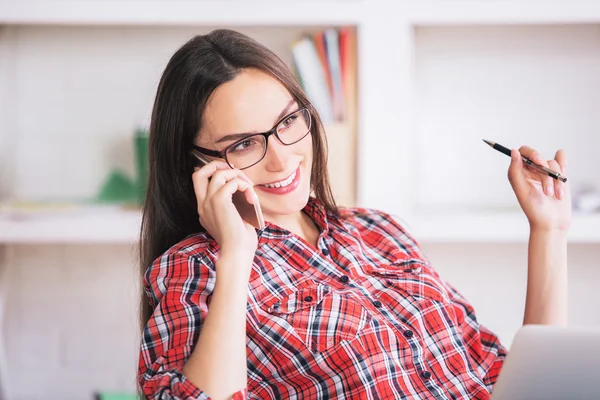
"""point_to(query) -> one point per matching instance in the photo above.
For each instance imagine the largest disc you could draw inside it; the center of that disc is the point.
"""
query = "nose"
(276, 155)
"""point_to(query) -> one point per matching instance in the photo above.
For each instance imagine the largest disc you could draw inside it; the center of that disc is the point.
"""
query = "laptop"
(546, 362)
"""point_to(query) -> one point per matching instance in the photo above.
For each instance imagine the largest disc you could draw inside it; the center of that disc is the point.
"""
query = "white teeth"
(282, 183)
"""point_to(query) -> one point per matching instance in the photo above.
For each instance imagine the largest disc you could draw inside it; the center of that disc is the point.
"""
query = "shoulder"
(190, 261)
(373, 220)
(381, 232)
(198, 247)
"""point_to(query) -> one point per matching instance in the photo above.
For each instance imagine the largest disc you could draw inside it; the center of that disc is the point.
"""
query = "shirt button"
(308, 298)
(377, 303)
(345, 278)
(408, 333)
(426, 374)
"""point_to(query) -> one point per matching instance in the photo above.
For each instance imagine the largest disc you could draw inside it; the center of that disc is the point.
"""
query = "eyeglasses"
(252, 149)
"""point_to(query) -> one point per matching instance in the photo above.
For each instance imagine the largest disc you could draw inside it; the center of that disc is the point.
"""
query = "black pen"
(527, 161)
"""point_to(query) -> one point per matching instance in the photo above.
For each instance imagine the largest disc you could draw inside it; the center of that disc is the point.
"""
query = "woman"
(325, 302)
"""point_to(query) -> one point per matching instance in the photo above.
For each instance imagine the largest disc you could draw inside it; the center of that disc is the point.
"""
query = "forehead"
(248, 103)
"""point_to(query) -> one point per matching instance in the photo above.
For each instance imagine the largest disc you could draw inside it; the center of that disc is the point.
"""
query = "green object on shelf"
(122, 189)
(141, 163)
(115, 396)
(118, 188)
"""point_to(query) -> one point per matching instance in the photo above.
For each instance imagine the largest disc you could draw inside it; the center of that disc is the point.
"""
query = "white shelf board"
(291, 12)
(180, 12)
(501, 227)
(92, 226)
(123, 227)
(469, 12)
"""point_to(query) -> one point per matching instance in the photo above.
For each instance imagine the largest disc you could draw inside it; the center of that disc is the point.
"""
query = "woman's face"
(254, 102)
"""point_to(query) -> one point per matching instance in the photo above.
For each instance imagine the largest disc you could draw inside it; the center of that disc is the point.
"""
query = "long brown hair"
(192, 74)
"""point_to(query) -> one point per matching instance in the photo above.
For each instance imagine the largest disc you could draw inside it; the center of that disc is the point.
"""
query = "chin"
(298, 201)
(287, 205)
(293, 203)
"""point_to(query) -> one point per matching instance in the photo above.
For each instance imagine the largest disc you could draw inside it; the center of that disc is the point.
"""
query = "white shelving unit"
(511, 12)
(493, 228)
(92, 226)
(181, 12)
(294, 12)
(123, 227)
(389, 80)
(423, 104)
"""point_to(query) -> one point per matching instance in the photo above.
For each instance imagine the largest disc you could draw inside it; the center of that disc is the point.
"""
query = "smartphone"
(251, 213)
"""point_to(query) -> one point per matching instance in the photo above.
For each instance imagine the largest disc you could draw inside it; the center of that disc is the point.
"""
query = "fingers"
(228, 189)
(221, 197)
(534, 156)
(250, 194)
(558, 185)
(245, 178)
(201, 176)
(559, 164)
(220, 178)
(515, 172)
(561, 159)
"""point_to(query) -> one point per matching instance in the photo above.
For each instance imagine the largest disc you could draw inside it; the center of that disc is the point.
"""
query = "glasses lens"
(294, 127)
(247, 152)
(252, 149)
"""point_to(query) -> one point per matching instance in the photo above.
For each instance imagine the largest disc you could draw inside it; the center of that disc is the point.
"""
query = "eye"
(289, 121)
(244, 145)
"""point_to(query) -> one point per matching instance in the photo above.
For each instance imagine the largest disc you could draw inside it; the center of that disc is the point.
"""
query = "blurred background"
(407, 90)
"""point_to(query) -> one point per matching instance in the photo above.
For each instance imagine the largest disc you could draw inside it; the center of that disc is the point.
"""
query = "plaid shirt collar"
(314, 209)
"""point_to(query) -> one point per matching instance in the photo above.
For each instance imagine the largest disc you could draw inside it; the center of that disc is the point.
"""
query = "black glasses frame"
(272, 131)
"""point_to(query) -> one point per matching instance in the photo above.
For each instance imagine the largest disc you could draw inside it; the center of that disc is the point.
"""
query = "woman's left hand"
(546, 201)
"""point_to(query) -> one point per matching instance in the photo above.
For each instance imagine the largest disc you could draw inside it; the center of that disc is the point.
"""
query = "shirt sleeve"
(178, 286)
(484, 347)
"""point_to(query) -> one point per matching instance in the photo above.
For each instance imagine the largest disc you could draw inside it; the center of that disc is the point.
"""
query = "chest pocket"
(415, 277)
(321, 317)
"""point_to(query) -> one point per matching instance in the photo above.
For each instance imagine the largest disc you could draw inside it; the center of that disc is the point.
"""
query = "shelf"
(446, 12)
(180, 12)
(95, 225)
(506, 227)
(112, 224)
(290, 12)
(119, 226)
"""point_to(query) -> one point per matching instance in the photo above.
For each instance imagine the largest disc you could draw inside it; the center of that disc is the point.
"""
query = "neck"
(299, 224)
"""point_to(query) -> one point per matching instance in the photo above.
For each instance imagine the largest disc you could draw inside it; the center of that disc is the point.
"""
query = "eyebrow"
(236, 136)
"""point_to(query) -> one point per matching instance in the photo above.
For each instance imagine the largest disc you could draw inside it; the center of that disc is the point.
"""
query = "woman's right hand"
(214, 185)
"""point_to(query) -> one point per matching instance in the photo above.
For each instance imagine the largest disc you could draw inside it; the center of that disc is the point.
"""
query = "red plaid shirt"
(363, 316)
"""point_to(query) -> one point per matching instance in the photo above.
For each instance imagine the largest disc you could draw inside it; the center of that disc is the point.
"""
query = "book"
(348, 66)
(319, 42)
(313, 80)
(333, 56)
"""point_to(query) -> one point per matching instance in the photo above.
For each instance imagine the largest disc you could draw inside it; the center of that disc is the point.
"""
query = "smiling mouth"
(283, 183)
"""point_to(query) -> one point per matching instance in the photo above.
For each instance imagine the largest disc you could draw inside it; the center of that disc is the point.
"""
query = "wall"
(493, 277)
(72, 320)
(71, 324)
